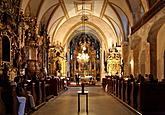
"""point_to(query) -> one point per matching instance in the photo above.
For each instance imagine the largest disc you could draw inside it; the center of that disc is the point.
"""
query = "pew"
(151, 98)
(43, 88)
(123, 90)
(104, 82)
(40, 92)
(147, 98)
(116, 87)
(54, 85)
(109, 83)
(48, 88)
(37, 90)
(33, 91)
(131, 95)
(119, 88)
(2, 105)
(27, 108)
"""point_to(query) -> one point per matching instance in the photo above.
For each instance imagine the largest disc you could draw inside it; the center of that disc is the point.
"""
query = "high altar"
(85, 61)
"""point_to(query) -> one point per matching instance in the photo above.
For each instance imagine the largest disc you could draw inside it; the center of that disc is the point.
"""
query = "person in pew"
(146, 77)
(140, 79)
(21, 96)
(31, 101)
(129, 88)
(151, 79)
(21, 99)
(131, 78)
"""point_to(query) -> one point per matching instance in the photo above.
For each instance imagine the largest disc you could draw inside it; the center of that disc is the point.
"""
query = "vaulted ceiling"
(109, 20)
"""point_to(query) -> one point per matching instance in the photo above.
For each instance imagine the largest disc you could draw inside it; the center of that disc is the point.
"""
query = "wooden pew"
(43, 88)
(119, 88)
(151, 98)
(131, 95)
(54, 86)
(123, 87)
(9, 99)
(33, 91)
(116, 88)
(27, 108)
(48, 88)
(38, 93)
(2, 105)
(104, 83)
(147, 98)
(14, 100)
(109, 83)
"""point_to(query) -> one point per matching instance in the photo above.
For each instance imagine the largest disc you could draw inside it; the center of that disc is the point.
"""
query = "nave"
(119, 43)
(100, 103)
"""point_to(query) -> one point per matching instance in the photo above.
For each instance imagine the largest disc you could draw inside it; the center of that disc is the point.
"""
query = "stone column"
(136, 61)
(102, 65)
(131, 63)
(147, 62)
(125, 54)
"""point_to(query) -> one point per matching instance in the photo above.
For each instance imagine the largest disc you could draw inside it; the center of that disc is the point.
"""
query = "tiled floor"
(100, 103)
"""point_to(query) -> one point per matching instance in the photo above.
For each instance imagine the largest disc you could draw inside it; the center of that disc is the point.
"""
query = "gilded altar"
(85, 59)
(57, 61)
(114, 61)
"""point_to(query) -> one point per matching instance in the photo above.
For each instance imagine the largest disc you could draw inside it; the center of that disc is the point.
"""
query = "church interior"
(53, 48)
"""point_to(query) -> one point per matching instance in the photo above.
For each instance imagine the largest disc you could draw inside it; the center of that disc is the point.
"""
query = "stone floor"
(100, 103)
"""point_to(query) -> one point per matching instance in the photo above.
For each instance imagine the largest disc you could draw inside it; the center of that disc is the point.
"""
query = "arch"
(123, 20)
(100, 39)
(5, 49)
(103, 29)
(137, 9)
(152, 39)
(98, 33)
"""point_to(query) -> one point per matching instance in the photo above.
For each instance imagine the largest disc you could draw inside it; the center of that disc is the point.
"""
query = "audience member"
(151, 79)
(131, 78)
(20, 96)
(140, 79)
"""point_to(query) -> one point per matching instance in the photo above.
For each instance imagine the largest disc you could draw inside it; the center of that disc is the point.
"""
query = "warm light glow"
(132, 66)
(131, 62)
(83, 57)
(84, 48)
(126, 78)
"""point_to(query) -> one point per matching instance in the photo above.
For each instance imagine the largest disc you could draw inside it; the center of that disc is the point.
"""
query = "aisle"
(100, 103)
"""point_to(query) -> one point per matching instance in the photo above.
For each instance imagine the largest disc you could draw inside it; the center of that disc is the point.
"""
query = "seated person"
(21, 96)
(31, 101)
(30, 96)
(21, 99)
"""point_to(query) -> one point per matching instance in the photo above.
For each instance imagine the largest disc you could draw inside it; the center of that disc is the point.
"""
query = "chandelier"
(83, 57)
